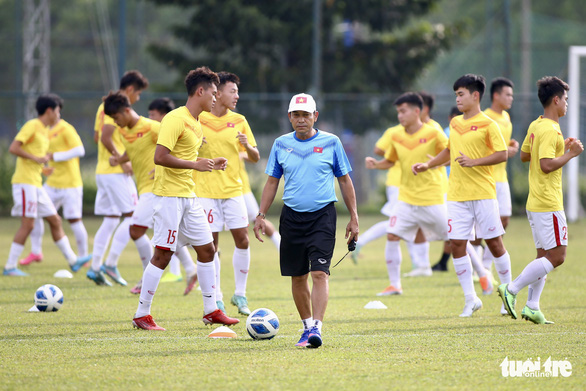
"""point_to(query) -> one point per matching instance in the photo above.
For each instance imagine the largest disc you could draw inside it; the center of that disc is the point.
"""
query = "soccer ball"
(48, 298)
(262, 324)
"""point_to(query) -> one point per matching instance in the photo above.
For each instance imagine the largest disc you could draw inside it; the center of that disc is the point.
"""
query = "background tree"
(368, 46)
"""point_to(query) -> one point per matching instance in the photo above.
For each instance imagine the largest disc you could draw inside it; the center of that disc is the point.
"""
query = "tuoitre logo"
(529, 368)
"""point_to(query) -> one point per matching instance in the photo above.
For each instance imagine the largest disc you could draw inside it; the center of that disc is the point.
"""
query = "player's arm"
(17, 150)
(251, 152)
(378, 151)
(266, 200)
(78, 151)
(106, 139)
(438, 160)
(525, 156)
(490, 160)
(349, 195)
(373, 164)
(164, 158)
(574, 148)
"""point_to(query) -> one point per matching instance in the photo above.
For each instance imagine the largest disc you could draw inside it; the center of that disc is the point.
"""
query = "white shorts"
(549, 229)
(31, 201)
(481, 215)
(179, 222)
(252, 207)
(71, 199)
(143, 214)
(229, 211)
(406, 219)
(503, 196)
(116, 195)
(392, 196)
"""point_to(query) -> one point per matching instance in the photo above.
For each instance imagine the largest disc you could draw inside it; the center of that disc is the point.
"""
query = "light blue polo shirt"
(309, 167)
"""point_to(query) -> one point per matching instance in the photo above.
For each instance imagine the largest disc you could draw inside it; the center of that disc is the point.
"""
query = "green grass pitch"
(419, 342)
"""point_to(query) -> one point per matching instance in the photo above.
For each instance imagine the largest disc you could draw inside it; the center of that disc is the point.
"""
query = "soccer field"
(419, 342)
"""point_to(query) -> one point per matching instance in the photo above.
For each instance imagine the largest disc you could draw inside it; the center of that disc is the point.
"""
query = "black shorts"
(307, 240)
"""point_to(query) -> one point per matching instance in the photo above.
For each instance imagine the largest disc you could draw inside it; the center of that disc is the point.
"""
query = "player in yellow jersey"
(116, 195)
(547, 151)
(474, 146)
(64, 187)
(220, 192)
(501, 93)
(421, 202)
(139, 136)
(179, 219)
(31, 146)
(158, 108)
(418, 249)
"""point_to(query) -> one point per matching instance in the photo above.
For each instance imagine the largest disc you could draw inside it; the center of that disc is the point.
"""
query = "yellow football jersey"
(504, 122)
(426, 188)
(475, 137)
(394, 173)
(104, 166)
(245, 179)
(35, 140)
(140, 142)
(442, 169)
(66, 174)
(435, 124)
(221, 141)
(182, 135)
(544, 141)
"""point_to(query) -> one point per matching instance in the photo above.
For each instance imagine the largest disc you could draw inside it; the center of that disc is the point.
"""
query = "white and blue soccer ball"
(262, 324)
(48, 298)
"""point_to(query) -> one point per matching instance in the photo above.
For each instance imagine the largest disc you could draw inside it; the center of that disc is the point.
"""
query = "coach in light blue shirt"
(309, 159)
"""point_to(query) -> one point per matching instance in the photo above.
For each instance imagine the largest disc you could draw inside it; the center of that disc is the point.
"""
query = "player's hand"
(42, 159)
(113, 161)
(567, 142)
(204, 165)
(419, 167)
(242, 139)
(259, 226)
(352, 231)
(465, 161)
(576, 147)
(220, 163)
(513, 147)
(127, 168)
(47, 170)
(370, 163)
(152, 174)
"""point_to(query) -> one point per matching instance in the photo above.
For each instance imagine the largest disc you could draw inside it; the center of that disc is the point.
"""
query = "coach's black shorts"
(307, 240)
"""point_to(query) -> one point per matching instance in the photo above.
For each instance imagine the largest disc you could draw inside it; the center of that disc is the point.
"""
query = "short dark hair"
(428, 99)
(227, 77)
(550, 86)
(199, 76)
(162, 105)
(496, 85)
(135, 79)
(454, 111)
(48, 101)
(411, 98)
(115, 102)
(471, 82)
